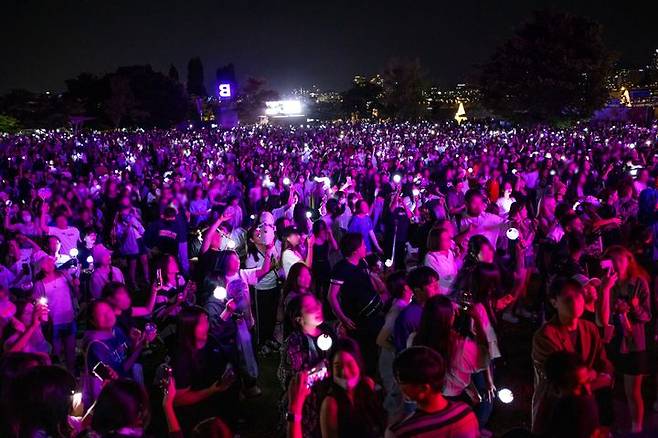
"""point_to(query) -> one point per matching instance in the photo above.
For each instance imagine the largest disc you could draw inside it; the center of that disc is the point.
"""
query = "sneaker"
(509, 317)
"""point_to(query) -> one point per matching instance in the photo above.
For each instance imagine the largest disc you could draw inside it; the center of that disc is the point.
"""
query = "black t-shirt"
(200, 369)
(356, 290)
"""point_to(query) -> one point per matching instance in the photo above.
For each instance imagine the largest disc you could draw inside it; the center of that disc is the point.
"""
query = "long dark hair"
(121, 403)
(366, 409)
(435, 330)
(41, 400)
(485, 283)
(291, 284)
(188, 319)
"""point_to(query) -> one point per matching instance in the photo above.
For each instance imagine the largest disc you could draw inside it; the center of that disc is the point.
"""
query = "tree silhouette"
(195, 85)
(404, 81)
(173, 73)
(252, 98)
(554, 67)
(362, 98)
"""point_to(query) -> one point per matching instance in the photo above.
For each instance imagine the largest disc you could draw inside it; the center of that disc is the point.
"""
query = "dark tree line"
(553, 68)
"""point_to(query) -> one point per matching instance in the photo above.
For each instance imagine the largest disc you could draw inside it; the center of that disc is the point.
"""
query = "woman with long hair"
(41, 402)
(266, 293)
(351, 408)
(299, 282)
(479, 249)
(202, 370)
(307, 347)
(225, 295)
(463, 355)
(320, 243)
(628, 308)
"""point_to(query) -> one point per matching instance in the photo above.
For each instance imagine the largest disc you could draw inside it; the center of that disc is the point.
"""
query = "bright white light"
(514, 171)
(309, 214)
(286, 181)
(219, 292)
(230, 244)
(397, 178)
(415, 192)
(252, 217)
(90, 259)
(552, 172)
(388, 263)
(73, 253)
(43, 301)
(283, 108)
(512, 233)
(76, 399)
(548, 155)
(505, 395)
(470, 170)
(324, 342)
(563, 158)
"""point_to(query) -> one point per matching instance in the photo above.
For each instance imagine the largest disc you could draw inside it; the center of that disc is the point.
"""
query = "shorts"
(63, 330)
(141, 250)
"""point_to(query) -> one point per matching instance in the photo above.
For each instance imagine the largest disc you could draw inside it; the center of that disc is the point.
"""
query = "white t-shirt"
(467, 358)
(269, 281)
(69, 237)
(288, 259)
(487, 224)
(444, 265)
(100, 277)
(60, 301)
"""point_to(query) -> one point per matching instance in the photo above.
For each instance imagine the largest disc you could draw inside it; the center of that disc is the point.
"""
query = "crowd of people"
(147, 275)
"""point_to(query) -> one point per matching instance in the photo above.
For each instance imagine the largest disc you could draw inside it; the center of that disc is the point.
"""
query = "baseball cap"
(584, 280)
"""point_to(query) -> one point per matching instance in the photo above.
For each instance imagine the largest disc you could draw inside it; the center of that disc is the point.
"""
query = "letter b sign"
(224, 90)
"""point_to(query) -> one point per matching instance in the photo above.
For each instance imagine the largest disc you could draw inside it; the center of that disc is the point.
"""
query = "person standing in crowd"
(441, 257)
(566, 331)
(362, 224)
(354, 300)
(351, 407)
(59, 292)
(424, 283)
(202, 371)
(628, 309)
(401, 294)
(267, 292)
(306, 350)
(68, 236)
(128, 235)
(477, 221)
(104, 273)
(420, 372)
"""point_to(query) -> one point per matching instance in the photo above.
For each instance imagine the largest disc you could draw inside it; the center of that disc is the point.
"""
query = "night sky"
(288, 43)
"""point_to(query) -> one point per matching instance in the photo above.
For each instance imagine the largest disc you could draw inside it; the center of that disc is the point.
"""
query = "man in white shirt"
(478, 221)
(67, 235)
(104, 272)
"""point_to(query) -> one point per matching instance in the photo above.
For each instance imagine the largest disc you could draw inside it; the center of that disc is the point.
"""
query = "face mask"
(346, 384)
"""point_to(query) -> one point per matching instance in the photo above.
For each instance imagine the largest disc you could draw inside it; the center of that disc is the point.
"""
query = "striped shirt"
(457, 420)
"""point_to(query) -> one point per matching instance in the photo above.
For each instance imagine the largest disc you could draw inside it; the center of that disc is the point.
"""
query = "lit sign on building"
(225, 90)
